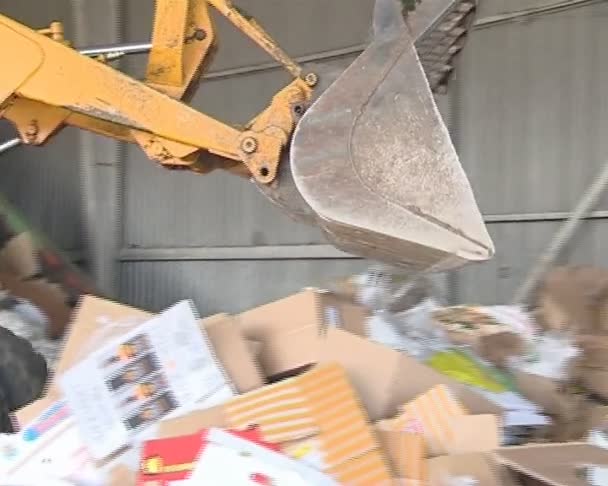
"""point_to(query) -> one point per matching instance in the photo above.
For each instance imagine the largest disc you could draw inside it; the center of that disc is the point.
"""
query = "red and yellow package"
(173, 459)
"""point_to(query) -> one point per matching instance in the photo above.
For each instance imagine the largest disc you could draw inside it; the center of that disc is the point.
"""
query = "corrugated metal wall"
(527, 113)
(44, 183)
(530, 121)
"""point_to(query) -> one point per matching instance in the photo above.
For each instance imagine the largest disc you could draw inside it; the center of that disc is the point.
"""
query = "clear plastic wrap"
(387, 289)
(412, 331)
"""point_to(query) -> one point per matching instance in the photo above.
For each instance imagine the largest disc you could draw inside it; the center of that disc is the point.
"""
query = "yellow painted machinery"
(362, 153)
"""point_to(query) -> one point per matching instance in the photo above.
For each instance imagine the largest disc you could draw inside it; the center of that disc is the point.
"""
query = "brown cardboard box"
(500, 347)
(386, 379)
(547, 393)
(594, 364)
(300, 318)
(446, 426)
(474, 434)
(574, 298)
(294, 334)
(346, 288)
(478, 466)
(552, 464)
(570, 412)
(404, 451)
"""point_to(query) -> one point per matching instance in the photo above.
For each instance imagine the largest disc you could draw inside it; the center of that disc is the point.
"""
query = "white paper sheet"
(154, 370)
(228, 459)
(524, 418)
(511, 401)
(46, 451)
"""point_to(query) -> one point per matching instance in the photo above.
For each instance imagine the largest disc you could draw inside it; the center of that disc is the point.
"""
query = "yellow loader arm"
(362, 152)
(50, 85)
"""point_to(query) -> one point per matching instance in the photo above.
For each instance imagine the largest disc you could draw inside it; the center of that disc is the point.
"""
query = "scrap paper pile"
(293, 392)
(545, 367)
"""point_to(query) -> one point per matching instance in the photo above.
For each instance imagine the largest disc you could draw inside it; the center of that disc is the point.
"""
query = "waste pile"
(374, 381)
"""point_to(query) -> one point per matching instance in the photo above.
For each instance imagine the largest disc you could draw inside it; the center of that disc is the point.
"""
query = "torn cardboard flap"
(574, 298)
(553, 464)
(301, 318)
(283, 316)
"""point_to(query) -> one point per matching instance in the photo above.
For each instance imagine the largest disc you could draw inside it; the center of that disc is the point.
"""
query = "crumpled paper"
(550, 356)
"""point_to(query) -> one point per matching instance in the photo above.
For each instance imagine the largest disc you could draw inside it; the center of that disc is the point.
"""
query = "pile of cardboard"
(573, 302)
(297, 375)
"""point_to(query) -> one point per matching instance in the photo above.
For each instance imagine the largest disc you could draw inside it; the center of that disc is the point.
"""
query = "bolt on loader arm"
(51, 85)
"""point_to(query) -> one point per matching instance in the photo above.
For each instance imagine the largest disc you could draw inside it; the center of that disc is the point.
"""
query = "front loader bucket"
(373, 161)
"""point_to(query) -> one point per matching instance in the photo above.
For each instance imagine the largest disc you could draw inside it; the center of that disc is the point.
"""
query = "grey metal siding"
(225, 286)
(530, 123)
(44, 184)
(528, 113)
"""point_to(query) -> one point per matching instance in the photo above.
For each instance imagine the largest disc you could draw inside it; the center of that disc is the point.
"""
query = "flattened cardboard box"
(553, 464)
(295, 333)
